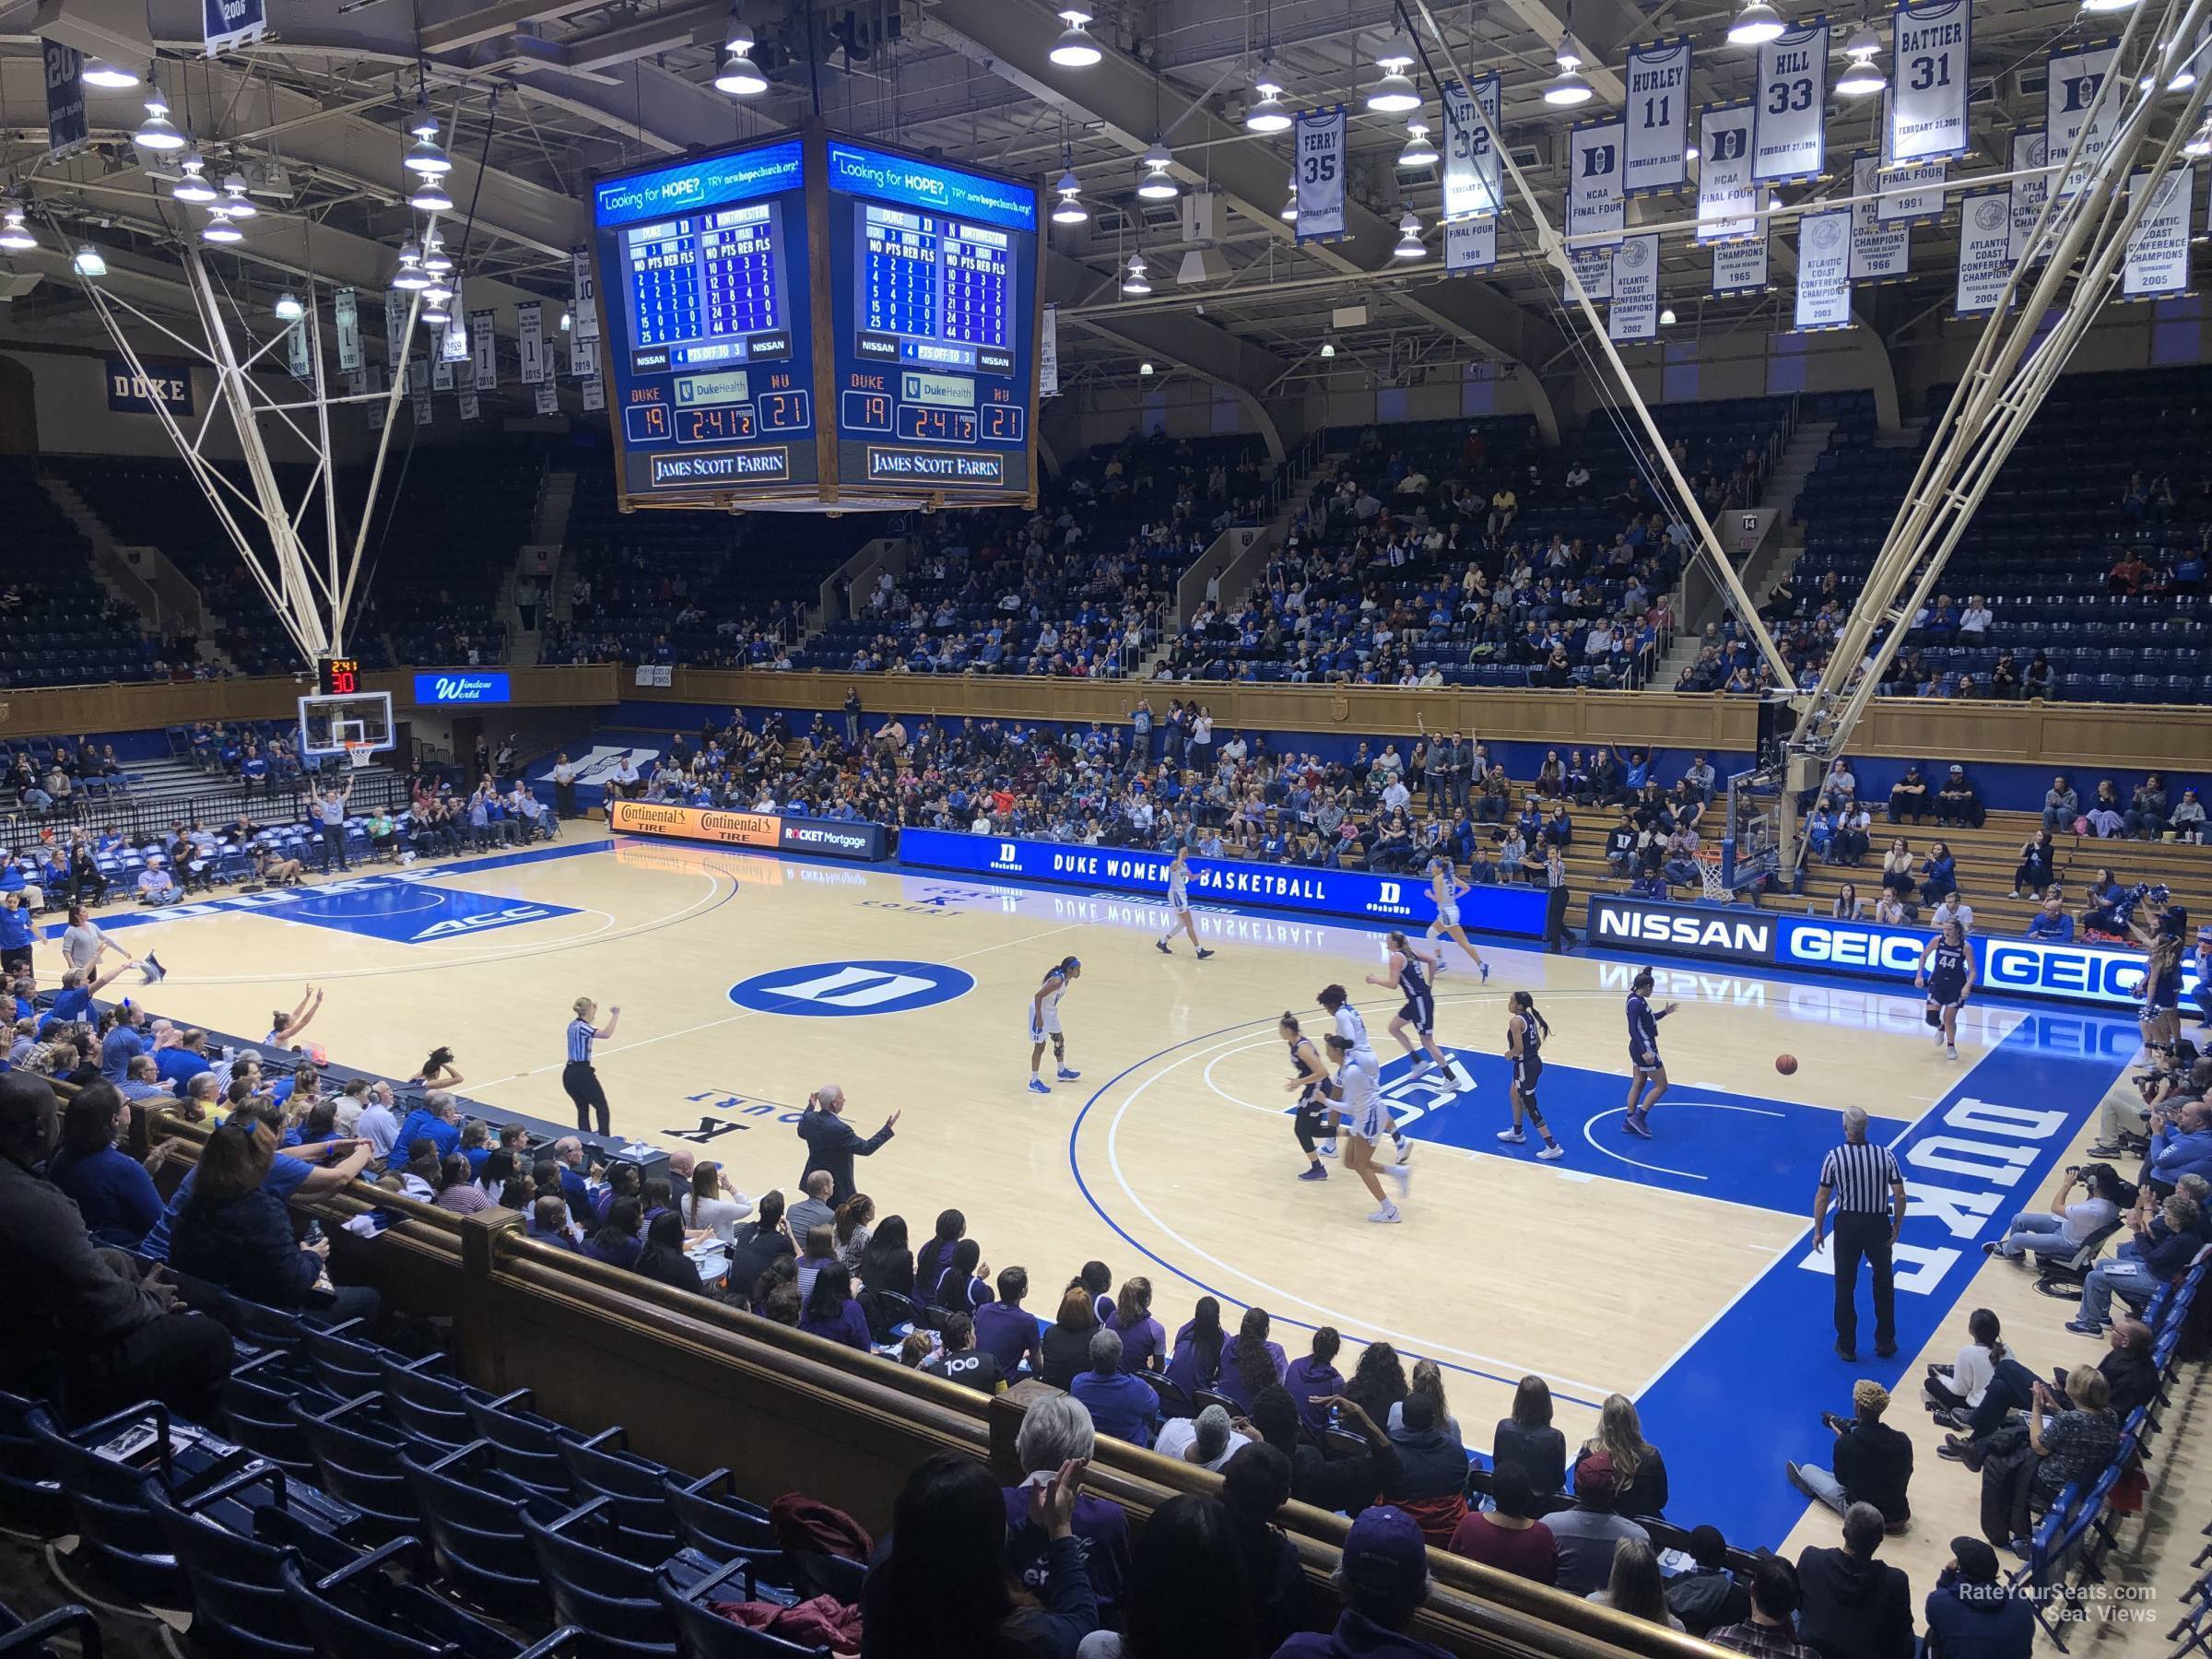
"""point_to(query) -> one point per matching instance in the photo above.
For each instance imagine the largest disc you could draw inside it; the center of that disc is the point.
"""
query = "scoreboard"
(811, 323)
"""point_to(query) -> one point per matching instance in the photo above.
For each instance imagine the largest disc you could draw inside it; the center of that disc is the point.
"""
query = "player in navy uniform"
(1645, 1069)
(1526, 1030)
(1947, 971)
(1315, 1121)
(1411, 968)
(1178, 906)
(1044, 1023)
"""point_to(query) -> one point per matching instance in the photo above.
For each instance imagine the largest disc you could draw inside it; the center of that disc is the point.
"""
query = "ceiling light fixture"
(2198, 146)
(1291, 206)
(194, 186)
(12, 236)
(424, 155)
(101, 72)
(157, 132)
(287, 307)
(739, 76)
(435, 313)
(1134, 283)
(1862, 78)
(1145, 367)
(1328, 346)
(1758, 23)
(88, 261)
(235, 202)
(1395, 93)
(1666, 316)
(1075, 49)
(1568, 88)
(219, 230)
(1410, 246)
(410, 277)
(1268, 113)
(1069, 208)
(435, 259)
(567, 322)
(1419, 151)
(1158, 184)
(429, 196)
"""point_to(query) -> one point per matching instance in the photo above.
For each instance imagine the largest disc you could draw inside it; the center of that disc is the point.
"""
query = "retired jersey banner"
(530, 342)
(1635, 313)
(298, 360)
(396, 303)
(1318, 168)
(2028, 152)
(1727, 197)
(346, 310)
(1594, 204)
(586, 290)
(1824, 270)
(1048, 354)
(1473, 181)
(2158, 254)
(1789, 133)
(484, 350)
(1740, 267)
(1928, 96)
(1910, 195)
(68, 129)
(1984, 250)
(1593, 270)
(2077, 74)
(1471, 245)
(1879, 252)
(1656, 149)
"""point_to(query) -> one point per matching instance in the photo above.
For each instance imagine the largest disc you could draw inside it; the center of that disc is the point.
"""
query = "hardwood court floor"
(1675, 1270)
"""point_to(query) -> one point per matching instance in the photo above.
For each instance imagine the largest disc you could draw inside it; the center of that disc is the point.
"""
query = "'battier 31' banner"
(1402, 899)
(832, 838)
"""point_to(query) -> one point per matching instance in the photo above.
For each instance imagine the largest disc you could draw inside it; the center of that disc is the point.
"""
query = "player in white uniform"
(1044, 1023)
(1358, 1088)
(1178, 906)
(1353, 1030)
(1411, 971)
(1445, 887)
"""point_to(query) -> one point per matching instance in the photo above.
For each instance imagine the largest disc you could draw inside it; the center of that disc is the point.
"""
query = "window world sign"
(164, 385)
(1403, 899)
(458, 687)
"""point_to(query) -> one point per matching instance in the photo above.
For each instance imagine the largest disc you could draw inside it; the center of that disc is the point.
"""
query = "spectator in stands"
(1055, 1434)
(1769, 1632)
(2130, 1371)
(2135, 1279)
(1199, 1347)
(1873, 1462)
(1709, 1594)
(709, 1204)
(2145, 817)
(814, 1210)
(2073, 1217)
(1383, 1578)
(1119, 1404)
(1909, 798)
(664, 1259)
(2188, 822)
(1529, 1439)
(1972, 1614)
(1634, 1586)
(2104, 814)
(2059, 1442)
(1066, 1341)
(1144, 1341)
(942, 1590)
(1848, 906)
(1587, 1533)
(2062, 805)
(1340, 1483)
(616, 1241)
(1638, 1472)
(1252, 1362)
(1960, 1388)
(1313, 1377)
(1007, 1331)
(156, 885)
(2038, 866)
(959, 1360)
(1209, 1440)
(1957, 804)
(1938, 874)
(1191, 1589)
(1432, 1477)
(1853, 1606)
(828, 1311)
(111, 1190)
(887, 1263)
(1508, 1535)
(234, 1232)
(757, 1244)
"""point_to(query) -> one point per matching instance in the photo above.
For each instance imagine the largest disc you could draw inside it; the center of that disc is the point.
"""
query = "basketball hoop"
(358, 755)
(1709, 873)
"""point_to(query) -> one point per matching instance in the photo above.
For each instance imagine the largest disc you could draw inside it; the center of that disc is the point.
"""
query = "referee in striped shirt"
(578, 1077)
(1868, 1190)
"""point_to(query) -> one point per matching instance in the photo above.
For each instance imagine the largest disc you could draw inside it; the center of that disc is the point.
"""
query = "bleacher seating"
(57, 628)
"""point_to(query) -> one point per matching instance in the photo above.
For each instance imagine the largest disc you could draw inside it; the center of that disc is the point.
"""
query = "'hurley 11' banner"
(1656, 150)
(1474, 184)
(1824, 270)
(1927, 105)
(1790, 123)
(2158, 254)
(1319, 136)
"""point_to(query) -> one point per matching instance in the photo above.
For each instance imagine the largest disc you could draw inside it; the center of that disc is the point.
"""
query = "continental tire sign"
(822, 837)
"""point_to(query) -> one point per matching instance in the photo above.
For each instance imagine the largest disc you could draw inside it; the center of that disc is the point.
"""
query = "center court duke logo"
(841, 989)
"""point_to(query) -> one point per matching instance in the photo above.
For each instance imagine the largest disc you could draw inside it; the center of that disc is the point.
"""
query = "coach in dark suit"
(831, 1143)
(1868, 1190)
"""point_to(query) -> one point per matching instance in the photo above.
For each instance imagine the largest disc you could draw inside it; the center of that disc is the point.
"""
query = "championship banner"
(226, 25)
(346, 312)
(1594, 204)
(396, 324)
(1635, 313)
(583, 360)
(2076, 73)
(441, 366)
(68, 129)
(1317, 166)
(1655, 154)
(1471, 245)
(1879, 252)
(1928, 99)
(595, 394)
(530, 342)
(484, 350)
(470, 408)
(586, 292)
(425, 410)
(1789, 123)
(1726, 196)
(1473, 181)
(1048, 354)
(295, 355)
(452, 346)
(2158, 254)
(1740, 267)
(1984, 250)
(1910, 195)
(548, 397)
(1593, 269)
(1824, 270)
(2029, 150)
(419, 378)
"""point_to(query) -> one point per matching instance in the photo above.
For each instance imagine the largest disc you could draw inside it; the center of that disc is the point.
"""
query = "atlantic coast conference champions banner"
(1474, 180)
(1824, 270)
(1635, 314)
(1740, 267)
(2028, 152)
(2158, 254)
(1985, 256)
(1879, 252)
(1595, 203)
(1319, 161)
(1656, 149)
(1927, 101)
(1790, 118)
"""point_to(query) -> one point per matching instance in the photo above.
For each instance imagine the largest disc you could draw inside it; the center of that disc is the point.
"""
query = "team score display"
(717, 425)
(936, 426)
(1004, 423)
(867, 411)
(645, 423)
(1783, 95)
(782, 411)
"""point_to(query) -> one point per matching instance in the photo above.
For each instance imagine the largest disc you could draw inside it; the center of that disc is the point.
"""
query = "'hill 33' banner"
(1790, 120)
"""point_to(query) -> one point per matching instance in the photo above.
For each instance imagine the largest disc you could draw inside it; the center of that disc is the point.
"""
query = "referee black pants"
(1859, 1236)
(582, 1082)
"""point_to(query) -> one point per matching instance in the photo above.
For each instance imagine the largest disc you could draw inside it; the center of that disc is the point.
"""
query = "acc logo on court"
(838, 990)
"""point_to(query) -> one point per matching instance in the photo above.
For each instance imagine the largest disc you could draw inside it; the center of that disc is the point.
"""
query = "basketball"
(1785, 1063)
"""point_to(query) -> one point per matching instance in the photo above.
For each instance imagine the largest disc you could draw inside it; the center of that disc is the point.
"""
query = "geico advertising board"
(831, 838)
(2094, 974)
(1402, 899)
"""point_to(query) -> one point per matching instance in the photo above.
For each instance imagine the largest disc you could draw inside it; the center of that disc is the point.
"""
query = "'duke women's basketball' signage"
(831, 838)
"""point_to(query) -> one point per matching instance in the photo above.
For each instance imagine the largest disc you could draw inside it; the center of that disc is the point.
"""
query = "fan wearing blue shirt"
(437, 1120)
(2051, 923)
(178, 1065)
(124, 1043)
(1119, 1404)
(73, 1002)
(111, 1189)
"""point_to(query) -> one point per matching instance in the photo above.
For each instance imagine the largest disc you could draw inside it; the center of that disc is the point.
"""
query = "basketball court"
(1677, 1270)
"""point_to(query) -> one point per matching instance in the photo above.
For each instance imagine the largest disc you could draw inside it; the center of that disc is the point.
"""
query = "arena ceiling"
(537, 95)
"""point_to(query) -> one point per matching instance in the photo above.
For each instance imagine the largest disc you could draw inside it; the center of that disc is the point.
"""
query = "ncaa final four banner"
(1789, 133)
(1985, 256)
(1740, 267)
(1727, 197)
(1879, 252)
(1634, 316)
(1912, 195)
(1927, 101)
(2028, 152)
(1319, 160)
(1474, 180)
(1824, 271)
(1471, 245)
(1655, 152)
(2076, 76)
(1594, 204)
(2158, 254)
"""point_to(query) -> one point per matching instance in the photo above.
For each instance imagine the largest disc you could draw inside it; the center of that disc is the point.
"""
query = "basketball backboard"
(327, 724)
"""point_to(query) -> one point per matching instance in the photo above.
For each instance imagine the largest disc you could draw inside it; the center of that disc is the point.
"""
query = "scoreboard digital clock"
(811, 323)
